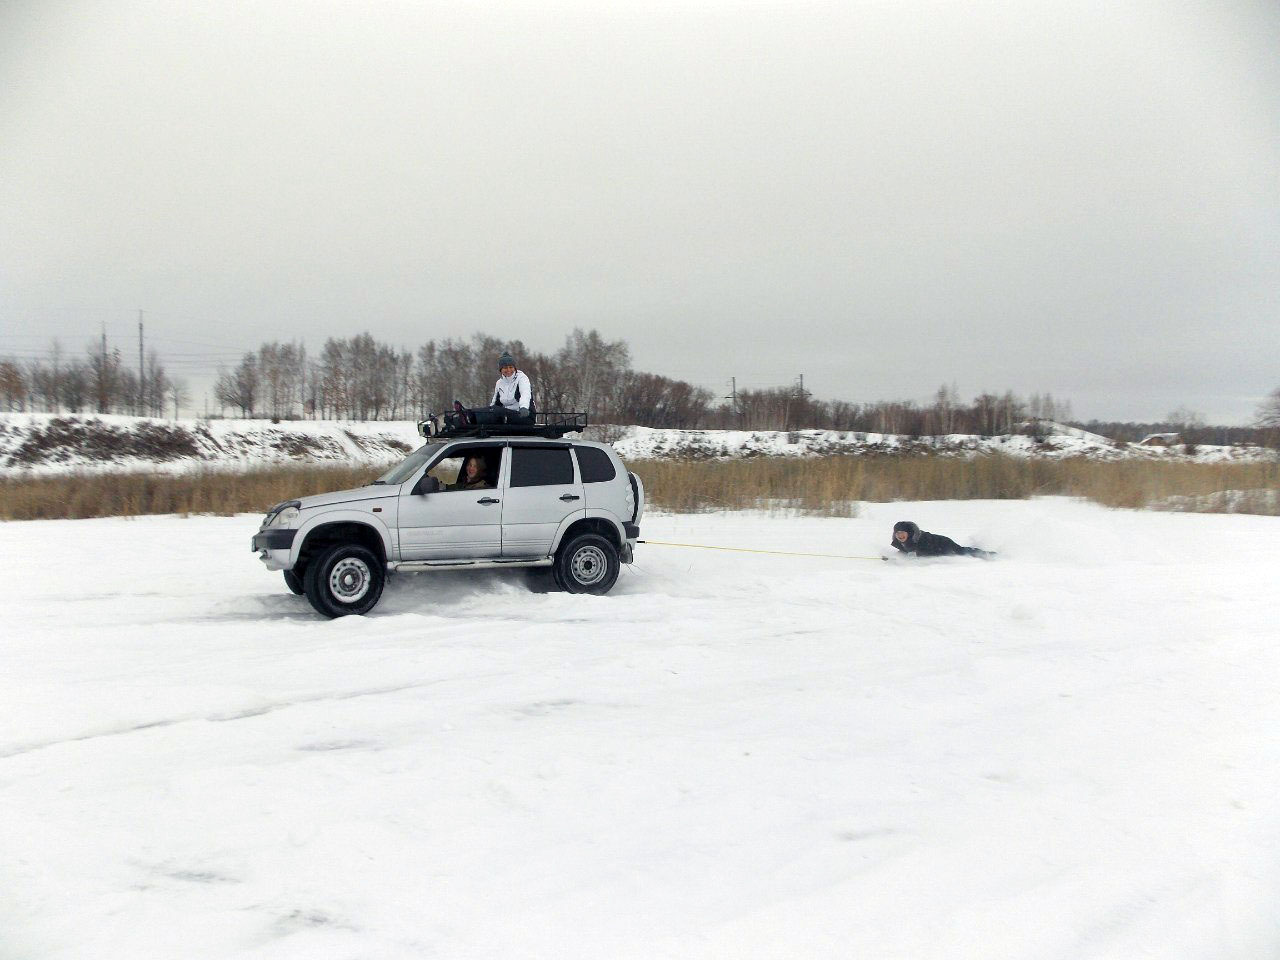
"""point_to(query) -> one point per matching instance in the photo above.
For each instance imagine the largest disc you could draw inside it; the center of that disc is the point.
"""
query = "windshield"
(410, 464)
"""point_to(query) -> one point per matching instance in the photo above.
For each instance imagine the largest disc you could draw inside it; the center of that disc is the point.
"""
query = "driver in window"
(473, 475)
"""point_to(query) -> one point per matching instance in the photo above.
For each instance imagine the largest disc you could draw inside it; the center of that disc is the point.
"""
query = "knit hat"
(912, 531)
(506, 360)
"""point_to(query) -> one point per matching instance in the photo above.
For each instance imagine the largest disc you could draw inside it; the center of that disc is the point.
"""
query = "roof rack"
(550, 426)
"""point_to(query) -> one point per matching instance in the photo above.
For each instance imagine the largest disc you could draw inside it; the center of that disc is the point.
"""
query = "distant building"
(1160, 440)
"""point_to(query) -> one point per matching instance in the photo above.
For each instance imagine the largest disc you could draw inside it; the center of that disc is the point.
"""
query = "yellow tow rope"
(776, 553)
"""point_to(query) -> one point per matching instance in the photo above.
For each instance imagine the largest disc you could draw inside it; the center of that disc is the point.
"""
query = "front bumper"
(273, 547)
(273, 540)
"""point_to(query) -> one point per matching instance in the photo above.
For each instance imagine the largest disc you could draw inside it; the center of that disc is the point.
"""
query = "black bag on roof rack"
(550, 425)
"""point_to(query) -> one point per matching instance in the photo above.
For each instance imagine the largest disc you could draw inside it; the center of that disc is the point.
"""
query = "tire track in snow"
(247, 713)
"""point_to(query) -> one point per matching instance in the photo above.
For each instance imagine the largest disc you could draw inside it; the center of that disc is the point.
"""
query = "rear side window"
(540, 466)
(595, 465)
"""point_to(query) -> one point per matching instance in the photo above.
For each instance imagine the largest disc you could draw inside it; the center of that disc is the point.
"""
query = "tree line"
(793, 408)
(360, 378)
(99, 381)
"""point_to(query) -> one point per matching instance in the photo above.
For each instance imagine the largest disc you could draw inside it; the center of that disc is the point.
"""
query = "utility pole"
(103, 397)
(142, 392)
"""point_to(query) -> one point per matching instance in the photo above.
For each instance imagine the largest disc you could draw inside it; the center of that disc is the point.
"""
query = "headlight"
(281, 515)
(284, 518)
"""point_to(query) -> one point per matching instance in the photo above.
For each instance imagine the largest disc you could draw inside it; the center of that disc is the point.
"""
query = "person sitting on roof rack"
(512, 397)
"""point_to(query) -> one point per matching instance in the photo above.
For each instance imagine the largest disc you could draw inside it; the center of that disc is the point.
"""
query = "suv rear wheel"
(344, 579)
(587, 564)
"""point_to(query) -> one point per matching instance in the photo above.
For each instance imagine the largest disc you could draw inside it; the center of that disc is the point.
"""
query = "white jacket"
(514, 392)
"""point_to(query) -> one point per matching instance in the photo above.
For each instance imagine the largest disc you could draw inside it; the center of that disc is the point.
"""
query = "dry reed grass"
(80, 495)
(829, 486)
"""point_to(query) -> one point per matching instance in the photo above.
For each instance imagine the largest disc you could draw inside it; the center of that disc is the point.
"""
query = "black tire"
(294, 582)
(587, 564)
(343, 580)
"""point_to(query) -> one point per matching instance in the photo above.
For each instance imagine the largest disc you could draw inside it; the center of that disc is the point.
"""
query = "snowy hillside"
(1068, 752)
(45, 443)
(642, 443)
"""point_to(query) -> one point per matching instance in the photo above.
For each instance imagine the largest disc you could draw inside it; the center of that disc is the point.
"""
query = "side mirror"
(430, 485)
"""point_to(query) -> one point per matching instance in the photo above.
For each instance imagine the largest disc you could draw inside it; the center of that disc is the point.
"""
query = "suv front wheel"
(344, 579)
(587, 564)
(293, 581)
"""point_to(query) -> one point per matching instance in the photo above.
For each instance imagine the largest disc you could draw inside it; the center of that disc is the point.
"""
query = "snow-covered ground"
(35, 443)
(1068, 752)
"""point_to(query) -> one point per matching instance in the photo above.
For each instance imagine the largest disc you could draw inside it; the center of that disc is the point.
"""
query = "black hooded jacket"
(925, 544)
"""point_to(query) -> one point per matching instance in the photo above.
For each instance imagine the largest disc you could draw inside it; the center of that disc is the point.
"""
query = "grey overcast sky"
(1067, 196)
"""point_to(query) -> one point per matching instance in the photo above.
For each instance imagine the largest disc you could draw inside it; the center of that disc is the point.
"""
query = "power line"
(183, 354)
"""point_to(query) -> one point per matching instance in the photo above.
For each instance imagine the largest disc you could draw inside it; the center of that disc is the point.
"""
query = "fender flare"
(587, 514)
(341, 516)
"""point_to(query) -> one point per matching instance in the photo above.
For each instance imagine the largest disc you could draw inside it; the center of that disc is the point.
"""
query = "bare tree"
(155, 388)
(104, 376)
(127, 396)
(1268, 418)
(335, 379)
(55, 367)
(1269, 410)
(239, 388)
(281, 369)
(591, 367)
(178, 394)
(655, 401)
(1185, 419)
(13, 386)
(73, 385)
(942, 417)
(42, 386)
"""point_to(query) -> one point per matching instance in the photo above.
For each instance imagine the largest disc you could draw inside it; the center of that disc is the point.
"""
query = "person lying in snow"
(910, 539)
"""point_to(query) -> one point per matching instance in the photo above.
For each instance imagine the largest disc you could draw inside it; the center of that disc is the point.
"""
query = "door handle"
(569, 496)
(488, 500)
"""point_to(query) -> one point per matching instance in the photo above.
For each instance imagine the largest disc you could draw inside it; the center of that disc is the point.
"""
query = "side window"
(454, 473)
(540, 466)
(595, 465)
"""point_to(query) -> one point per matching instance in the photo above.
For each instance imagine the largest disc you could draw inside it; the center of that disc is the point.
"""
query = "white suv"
(571, 506)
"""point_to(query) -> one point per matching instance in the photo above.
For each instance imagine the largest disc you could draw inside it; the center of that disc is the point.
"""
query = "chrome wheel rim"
(349, 580)
(589, 565)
